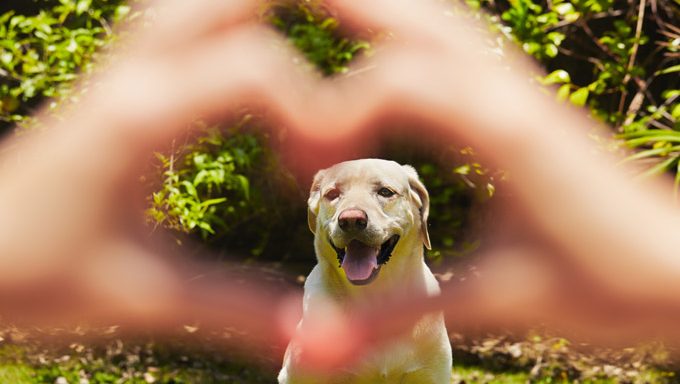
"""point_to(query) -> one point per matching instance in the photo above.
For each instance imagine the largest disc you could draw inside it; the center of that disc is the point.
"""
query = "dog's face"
(363, 208)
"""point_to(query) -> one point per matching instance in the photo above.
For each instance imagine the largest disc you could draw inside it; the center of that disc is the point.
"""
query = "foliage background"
(225, 189)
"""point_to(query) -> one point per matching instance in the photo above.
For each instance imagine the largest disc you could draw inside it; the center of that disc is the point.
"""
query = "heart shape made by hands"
(212, 58)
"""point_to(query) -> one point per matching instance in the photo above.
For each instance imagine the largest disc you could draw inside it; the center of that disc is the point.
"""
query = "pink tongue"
(360, 260)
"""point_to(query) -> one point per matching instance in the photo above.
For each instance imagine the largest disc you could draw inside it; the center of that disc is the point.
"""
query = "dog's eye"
(332, 194)
(386, 192)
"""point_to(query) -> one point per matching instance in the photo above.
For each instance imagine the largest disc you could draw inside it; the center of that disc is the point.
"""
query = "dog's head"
(363, 209)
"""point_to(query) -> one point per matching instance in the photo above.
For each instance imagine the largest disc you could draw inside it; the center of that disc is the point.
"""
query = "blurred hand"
(573, 255)
(71, 229)
(570, 253)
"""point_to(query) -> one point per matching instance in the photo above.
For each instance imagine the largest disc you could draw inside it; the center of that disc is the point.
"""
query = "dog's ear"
(422, 200)
(313, 201)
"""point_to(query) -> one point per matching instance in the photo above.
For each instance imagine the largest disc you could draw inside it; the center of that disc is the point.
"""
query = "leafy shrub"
(314, 33)
(42, 54)
(460, 188)
(621, 60)
(204, 185)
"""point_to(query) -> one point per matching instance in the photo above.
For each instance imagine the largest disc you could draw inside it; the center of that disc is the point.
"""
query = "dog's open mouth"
(362, 262)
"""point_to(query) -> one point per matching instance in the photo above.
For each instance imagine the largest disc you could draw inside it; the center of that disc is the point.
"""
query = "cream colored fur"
(424, 354)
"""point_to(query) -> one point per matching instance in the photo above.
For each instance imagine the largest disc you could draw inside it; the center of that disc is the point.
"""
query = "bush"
(620, 59)
(43, 54)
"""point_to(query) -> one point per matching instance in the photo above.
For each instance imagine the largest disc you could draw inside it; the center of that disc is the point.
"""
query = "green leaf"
(206, 227)
(563, 92)
(559, 76)
(83, 6)
(670, 93)
(564, 8)
(675, 112)
(551, 50)
(671, 69)
(579, 97)
(650, 153)
(531, 47)
(556, 38)
(462, 170)
(210, 202)
(121, 12)
(191, 190)
(245, 186)
(648, 133)
(669, 137)
(572, 17)
(490, 189)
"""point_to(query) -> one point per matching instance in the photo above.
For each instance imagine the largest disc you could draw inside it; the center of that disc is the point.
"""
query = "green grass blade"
(647, 133)
(651, 139)
(649, 153)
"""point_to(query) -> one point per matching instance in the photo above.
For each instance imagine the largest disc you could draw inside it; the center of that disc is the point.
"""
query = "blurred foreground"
(197, 357)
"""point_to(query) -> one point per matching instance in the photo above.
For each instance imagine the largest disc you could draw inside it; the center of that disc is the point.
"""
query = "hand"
(573, 254)
(73, 187)
(71, 227)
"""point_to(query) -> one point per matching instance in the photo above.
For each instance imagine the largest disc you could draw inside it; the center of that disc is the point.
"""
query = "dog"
(369, 220)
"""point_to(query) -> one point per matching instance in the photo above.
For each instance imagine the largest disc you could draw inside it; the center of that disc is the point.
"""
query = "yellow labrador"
(369, 218)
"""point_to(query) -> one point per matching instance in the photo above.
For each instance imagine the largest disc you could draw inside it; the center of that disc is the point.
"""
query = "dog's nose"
(352, 219)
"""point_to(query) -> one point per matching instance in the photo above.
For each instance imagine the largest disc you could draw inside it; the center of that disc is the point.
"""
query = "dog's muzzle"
(362, 262)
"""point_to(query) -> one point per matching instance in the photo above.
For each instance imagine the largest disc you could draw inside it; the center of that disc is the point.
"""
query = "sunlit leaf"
(556, 77)
(650, 153)
(671, 69)
(563, 92)
(579, 97)
(675, 112)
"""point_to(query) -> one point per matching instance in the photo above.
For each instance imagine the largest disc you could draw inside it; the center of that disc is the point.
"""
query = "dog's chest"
(391, 362)
(405, 356)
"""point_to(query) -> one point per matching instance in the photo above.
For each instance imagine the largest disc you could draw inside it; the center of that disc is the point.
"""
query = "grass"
(73, 361)
(476, 374)
(16, 373)
(198, 358)
(472, 374)
(24, 373)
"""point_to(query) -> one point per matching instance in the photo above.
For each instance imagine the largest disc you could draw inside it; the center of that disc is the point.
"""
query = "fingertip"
(288, 316)
(357, 16)
(178, 23)
(326, 340)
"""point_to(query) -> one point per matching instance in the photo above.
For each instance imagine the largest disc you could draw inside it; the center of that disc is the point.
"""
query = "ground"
(70, 356)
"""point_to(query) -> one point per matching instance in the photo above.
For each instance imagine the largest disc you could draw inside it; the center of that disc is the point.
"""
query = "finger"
(123, 281)
(250, 66)
(402, 17)
(176, 24)
(133, 286)
(246, 303)
(325, 340)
